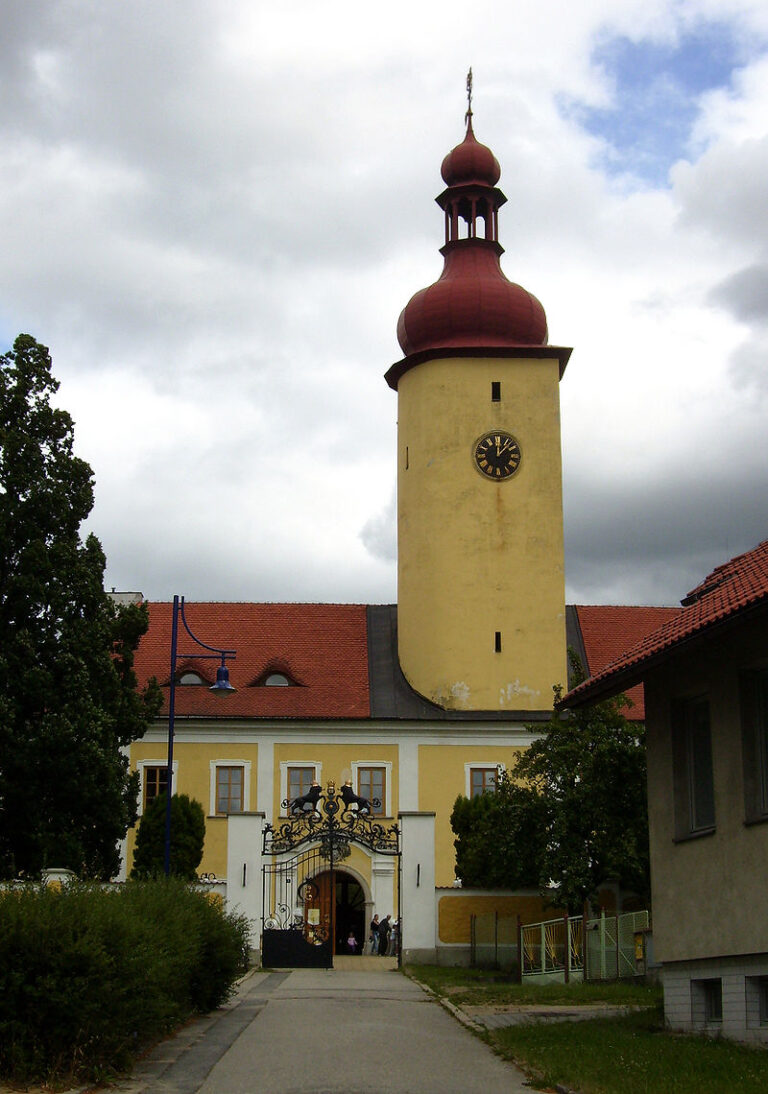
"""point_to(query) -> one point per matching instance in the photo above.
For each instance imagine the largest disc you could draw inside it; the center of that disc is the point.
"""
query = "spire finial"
(468, 115)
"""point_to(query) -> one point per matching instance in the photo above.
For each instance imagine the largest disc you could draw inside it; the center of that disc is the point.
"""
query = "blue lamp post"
(221, 687)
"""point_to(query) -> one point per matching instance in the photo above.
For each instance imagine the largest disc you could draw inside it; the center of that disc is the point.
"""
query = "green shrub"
(223, 955)
(88, 975)
(187, 838)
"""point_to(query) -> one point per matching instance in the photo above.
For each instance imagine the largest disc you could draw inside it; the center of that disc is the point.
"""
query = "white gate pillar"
(418, 938)
(244, 861)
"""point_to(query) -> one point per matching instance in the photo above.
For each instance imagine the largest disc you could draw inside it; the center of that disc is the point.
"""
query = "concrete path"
(326, 1032)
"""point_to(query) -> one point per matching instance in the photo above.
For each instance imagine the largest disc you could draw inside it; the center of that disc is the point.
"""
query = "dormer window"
(190, 678)
(276, 676)
(276, 680)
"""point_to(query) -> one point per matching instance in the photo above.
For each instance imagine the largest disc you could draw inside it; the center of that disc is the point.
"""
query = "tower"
(481, 613)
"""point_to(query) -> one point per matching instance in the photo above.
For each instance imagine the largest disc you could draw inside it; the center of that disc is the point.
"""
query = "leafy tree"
(68, 698)
(573, 811)
(187, 838)
(501, 837)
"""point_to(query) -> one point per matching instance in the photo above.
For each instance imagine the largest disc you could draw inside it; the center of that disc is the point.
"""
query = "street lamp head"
(222, 685)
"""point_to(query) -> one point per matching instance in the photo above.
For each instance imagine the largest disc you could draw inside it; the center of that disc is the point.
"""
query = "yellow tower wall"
(477, 557)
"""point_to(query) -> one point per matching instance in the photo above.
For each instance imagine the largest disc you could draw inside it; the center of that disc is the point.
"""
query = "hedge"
(89, 976)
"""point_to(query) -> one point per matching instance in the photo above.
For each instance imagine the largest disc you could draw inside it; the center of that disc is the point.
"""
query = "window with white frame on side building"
(300, 779)
(230, 788)
(372, 784)
(482, 780)
(155, 784)
(296, 778)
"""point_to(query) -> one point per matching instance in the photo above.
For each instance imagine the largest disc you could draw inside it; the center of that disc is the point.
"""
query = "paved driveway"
(326, 1032)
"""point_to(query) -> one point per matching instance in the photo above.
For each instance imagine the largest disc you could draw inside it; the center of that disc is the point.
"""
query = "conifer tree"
(188, 838)
(68, 697)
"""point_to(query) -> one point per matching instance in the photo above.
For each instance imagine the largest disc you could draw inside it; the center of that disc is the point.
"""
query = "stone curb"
(475, 1027)
(450, 1007)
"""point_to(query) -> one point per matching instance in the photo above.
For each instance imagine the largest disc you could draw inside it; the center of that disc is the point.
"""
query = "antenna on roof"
(468, 115)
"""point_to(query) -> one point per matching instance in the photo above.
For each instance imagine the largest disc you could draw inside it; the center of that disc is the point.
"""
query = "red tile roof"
(737, 586)
(323, 647)
(608, 630)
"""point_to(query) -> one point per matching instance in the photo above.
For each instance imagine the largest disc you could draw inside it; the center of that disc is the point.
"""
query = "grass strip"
(632, 1054)
(479, 987)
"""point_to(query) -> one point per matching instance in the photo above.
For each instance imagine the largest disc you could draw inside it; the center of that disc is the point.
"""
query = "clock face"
(497, 455)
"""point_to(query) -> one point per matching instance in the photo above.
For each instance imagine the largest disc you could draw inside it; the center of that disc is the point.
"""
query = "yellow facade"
(455, 911)
(193, 776)
(425, 772)
(335, 762)
(443, 775)
(481, 595)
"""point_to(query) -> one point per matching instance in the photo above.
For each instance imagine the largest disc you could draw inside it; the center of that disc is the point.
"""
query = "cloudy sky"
(213, 211)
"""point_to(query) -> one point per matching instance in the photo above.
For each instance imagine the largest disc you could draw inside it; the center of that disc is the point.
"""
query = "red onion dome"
(470, 162)
(472, 305)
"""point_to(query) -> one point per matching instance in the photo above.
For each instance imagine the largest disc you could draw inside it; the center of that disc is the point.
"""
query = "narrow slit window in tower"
(497, 642)
(495, 391)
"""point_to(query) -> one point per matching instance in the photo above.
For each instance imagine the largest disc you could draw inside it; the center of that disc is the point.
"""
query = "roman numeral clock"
(497, 455)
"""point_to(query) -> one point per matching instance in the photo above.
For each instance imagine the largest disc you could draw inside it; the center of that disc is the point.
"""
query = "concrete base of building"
(420, 956)
(721, 997)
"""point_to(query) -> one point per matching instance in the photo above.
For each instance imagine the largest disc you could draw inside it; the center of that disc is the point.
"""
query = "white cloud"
(214, 212)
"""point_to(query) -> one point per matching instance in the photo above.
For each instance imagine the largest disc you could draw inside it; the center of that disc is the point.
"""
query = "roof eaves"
(610, 682)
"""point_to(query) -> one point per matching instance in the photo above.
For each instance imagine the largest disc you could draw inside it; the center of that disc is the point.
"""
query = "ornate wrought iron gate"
(301, 855)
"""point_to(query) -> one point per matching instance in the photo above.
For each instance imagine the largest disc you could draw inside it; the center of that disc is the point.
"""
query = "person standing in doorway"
(384, 929)
(373, 935)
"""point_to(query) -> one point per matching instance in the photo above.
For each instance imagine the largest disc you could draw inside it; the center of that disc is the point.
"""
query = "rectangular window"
(482, 780)
(299, 781)
(754, 736)
(706, 1002)
(155, 783)
(229, 789)
(756, 1001)
(372, 784)
(693, 772)
(495, 391)
(713, 1000)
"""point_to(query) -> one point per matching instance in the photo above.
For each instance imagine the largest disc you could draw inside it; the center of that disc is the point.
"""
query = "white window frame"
(246, 766)
(155, 763)
(485, 765)
(387, 765)
(284, 765)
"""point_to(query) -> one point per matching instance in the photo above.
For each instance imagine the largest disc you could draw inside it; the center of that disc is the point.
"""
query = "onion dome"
(470, 162)
(472, 305)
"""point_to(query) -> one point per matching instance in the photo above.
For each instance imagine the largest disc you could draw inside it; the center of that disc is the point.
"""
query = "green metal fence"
(605, 947)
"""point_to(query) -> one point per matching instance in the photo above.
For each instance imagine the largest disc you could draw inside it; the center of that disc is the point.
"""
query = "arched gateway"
(313, 894)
